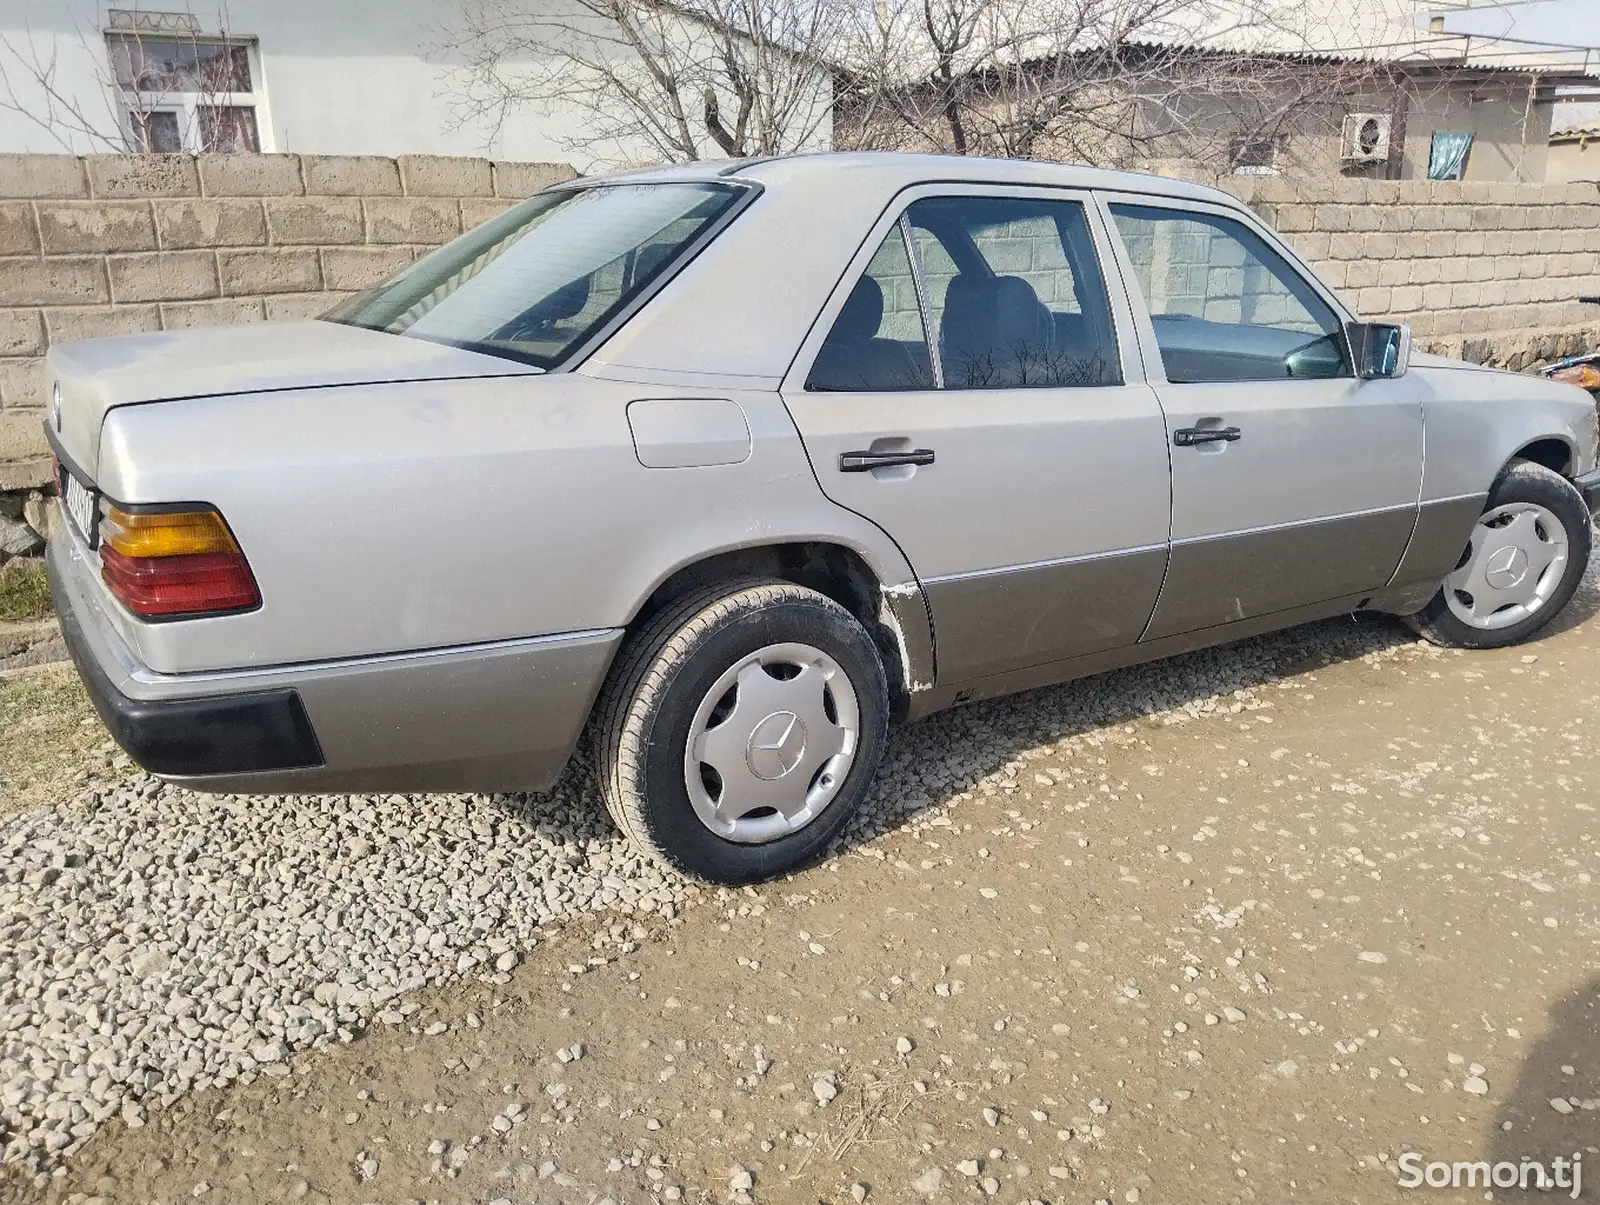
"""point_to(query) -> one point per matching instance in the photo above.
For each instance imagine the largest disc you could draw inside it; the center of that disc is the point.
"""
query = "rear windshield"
(535, 282)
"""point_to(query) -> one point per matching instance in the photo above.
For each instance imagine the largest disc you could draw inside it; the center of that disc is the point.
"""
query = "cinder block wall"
(1485, 272)
(112, 244)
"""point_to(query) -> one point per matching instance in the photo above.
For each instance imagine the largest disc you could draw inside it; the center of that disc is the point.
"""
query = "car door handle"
(1188, 437)
(861, 462)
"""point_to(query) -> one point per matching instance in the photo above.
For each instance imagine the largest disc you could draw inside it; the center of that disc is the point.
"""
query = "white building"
(337, 77)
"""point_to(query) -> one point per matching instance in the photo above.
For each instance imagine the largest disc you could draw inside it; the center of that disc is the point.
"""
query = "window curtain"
(1447, 158)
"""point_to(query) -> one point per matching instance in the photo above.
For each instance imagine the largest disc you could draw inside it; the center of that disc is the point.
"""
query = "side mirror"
(1379, 349)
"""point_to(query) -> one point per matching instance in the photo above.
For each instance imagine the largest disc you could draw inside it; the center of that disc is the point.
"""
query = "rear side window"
(878, 342)
(534, 283)
(1224, 304)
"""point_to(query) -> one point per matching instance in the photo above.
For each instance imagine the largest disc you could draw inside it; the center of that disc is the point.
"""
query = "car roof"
(901, 169)
(736, 314)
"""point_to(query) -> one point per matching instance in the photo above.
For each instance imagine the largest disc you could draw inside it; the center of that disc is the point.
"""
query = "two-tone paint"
(451, 547)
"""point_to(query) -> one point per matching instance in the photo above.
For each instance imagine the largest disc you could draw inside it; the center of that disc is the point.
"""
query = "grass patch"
(24, 590)
(49, 737)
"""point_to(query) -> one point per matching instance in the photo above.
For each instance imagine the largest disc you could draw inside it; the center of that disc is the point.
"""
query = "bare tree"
(1223, 84)
(143, 69)
(669, 80)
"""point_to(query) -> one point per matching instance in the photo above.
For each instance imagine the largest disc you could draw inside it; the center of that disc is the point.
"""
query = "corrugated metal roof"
(1378, 31)
(1576, 133)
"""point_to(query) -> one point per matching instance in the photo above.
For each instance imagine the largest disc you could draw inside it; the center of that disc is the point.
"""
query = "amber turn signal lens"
(173, 564)
(173, 533)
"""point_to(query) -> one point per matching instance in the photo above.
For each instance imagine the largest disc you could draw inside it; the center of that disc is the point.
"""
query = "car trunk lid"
(88, 379)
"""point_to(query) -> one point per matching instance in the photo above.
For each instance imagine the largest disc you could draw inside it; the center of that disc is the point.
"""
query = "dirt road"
(1250, 948)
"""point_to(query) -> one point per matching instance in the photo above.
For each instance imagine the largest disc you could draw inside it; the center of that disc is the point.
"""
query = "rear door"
(1294, 483)
(974, 390)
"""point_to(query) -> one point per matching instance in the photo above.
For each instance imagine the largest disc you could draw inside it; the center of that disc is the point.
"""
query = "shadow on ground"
(1564, 1065)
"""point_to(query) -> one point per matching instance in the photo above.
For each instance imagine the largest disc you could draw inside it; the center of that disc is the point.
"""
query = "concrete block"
(22, 387)
(293, 306)
(225, 311)
(445, 176)
(22, 333)
(30, 473)
(204, 222)
(1406, 299)
(1421, 271)
(1333, 217)
(1345, 245)
(315, 220)
(42, 176)
(1435, 243)
(412, 220)
(475, 213)
(68, 280)
(1381, 246)
(1313, 244)
(525, 179)
(247, 175)
(123, 176)
(90, 227)
(19, 232)
(1394, 272)
(358, 268)
(271, 270)
(350, 175)
(163, 276)
(100, 321)
(1374, 300)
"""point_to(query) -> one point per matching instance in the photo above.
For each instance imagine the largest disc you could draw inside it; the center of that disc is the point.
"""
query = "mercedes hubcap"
(771, 743)
(1512, 567)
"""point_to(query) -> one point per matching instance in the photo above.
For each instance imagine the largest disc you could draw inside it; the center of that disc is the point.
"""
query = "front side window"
(185, 93)
(1225, 305)
(1010, 295)
(537, 281)
(1015, 293)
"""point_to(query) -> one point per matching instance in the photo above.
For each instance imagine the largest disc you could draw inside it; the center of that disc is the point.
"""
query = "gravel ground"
(154, 942)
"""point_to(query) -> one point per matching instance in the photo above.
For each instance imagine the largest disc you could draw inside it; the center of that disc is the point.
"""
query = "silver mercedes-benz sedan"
(737, 463)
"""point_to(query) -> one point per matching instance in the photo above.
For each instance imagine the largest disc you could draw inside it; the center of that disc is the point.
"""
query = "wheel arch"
(894, 615)
(1554, 452)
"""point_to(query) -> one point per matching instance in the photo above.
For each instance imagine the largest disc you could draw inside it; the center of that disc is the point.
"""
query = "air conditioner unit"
(1365, 138)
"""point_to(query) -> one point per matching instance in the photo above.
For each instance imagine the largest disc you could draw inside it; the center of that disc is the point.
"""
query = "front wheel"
(1525, 558)
(740, 730)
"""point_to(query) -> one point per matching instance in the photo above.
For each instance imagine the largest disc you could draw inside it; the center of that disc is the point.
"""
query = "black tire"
(1522, 481)
(647, 708)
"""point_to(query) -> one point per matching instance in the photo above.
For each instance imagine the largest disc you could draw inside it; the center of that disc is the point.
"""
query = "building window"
(1254, 156)
(180, 91)
(1447, 155)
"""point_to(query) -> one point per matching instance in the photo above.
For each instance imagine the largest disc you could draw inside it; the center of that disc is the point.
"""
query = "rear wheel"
(1525, 558)
(740, 730)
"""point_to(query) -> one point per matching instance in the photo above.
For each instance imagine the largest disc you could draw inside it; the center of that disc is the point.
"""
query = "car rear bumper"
(1589, 486)
(480, 718)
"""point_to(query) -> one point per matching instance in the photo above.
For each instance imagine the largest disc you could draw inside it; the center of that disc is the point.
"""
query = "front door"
(1294, 483)
(966, 390)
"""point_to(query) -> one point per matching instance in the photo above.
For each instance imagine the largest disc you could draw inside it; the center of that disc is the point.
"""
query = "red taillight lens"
(174, 563)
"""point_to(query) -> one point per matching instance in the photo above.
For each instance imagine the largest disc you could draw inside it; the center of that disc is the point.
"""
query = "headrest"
(862, 313)
(997, 315)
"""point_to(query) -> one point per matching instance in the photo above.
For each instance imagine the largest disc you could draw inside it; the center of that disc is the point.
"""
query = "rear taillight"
(164, 564)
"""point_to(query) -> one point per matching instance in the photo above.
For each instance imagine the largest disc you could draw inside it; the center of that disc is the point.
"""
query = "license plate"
(81, 507)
